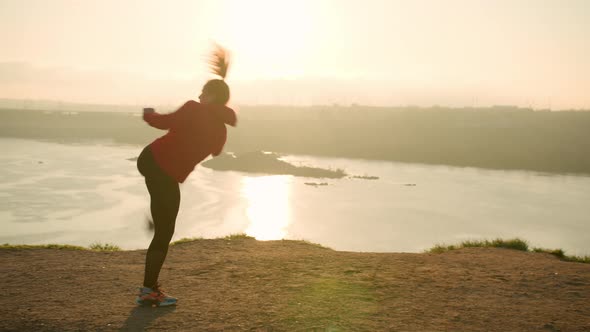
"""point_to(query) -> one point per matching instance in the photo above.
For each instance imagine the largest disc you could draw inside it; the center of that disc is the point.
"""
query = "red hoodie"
(194, 132)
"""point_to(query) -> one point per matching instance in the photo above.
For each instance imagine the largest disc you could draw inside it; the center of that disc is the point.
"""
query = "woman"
(195, 131)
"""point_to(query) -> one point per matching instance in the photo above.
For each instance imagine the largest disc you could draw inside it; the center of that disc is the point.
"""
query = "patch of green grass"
(559, 253)
(93, 247)
(41, 246)
(185, 240)
(555, 252)
(577, 259)
(239, 236)
(310, 243)
(515, 244)
(97, 246)
(329, 304)
(440, 248)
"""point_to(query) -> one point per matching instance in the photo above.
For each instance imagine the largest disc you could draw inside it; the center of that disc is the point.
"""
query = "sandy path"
(243, 284)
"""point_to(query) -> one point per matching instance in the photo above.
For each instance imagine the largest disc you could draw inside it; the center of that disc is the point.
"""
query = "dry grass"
(240, 284)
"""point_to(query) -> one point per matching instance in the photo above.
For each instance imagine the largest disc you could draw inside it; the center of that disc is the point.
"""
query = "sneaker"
(154, 296)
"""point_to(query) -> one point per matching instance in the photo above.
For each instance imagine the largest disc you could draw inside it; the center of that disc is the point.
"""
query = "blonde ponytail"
(219, 62)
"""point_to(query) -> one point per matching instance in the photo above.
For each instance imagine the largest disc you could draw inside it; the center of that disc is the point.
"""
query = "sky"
(530, 53)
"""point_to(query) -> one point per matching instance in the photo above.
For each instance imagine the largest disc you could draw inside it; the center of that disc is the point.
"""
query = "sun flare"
(273, 34)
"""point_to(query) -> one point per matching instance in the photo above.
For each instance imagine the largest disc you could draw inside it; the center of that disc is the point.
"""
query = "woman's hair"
(219, 65)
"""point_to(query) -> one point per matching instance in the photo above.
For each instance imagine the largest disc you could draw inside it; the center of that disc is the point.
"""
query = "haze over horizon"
(529, 53)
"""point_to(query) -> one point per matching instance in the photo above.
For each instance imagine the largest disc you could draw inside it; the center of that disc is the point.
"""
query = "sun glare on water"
(268, 206)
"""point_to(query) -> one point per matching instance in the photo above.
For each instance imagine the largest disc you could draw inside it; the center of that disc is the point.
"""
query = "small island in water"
(267, 163)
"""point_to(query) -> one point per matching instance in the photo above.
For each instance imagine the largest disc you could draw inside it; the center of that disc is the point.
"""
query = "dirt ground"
(244, 284)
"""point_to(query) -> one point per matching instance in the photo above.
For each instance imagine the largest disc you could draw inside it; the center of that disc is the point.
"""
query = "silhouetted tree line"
(503, 138)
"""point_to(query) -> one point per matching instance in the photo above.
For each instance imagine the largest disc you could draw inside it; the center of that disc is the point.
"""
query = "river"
(86, 193)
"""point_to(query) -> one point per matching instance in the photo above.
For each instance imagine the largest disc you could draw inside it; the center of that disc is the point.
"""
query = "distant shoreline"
(550, 142)
(61, 105)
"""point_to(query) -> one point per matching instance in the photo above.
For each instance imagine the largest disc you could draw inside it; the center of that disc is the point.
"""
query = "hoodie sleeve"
(218, 147)
(166, 121)
(228, 117)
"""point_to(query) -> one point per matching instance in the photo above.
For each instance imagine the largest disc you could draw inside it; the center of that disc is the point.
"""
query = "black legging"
(165, 200)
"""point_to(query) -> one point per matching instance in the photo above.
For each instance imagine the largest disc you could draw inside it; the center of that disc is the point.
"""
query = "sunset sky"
(375, 52)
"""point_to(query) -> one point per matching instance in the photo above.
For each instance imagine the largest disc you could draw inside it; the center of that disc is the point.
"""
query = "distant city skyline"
(529, 53)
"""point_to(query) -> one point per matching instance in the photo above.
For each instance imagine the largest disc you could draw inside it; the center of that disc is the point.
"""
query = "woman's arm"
(167, 121)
